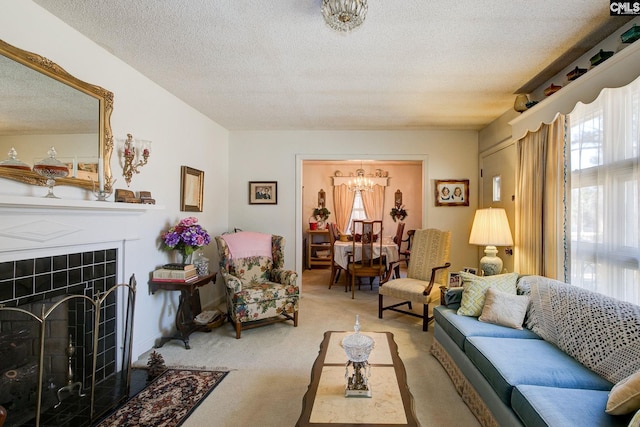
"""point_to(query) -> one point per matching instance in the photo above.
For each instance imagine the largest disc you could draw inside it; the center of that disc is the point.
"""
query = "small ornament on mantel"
(155, 365)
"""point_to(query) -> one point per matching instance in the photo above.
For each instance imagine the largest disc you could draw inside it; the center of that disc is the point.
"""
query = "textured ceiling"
(267, 65)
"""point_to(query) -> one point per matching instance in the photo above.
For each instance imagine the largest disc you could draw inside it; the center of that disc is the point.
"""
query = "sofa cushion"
(504, 309)
(603, 334)
(460, 327)
(566, 407)
(507, 362)
(475, 288)
(624, 397)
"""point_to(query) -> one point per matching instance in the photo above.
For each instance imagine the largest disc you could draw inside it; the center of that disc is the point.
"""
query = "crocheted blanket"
(600, 332)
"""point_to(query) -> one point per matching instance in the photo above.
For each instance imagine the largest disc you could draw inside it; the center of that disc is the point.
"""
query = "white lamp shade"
(491, 228)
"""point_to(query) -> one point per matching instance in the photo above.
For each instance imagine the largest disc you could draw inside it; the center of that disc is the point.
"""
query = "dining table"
(342, 250)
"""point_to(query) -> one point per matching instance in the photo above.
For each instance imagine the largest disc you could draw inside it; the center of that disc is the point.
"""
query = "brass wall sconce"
(135, 154)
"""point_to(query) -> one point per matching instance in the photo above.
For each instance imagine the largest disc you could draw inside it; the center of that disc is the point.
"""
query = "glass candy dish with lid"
(51, 168)
(357, 348)
(13, 162)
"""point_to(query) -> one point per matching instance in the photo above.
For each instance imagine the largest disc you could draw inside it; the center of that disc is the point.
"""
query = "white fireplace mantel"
(20, 202)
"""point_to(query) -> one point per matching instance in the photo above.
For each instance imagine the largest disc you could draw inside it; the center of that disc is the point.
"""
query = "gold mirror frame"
(105, 98)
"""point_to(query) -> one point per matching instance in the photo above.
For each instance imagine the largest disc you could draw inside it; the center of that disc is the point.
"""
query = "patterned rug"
(167, 401)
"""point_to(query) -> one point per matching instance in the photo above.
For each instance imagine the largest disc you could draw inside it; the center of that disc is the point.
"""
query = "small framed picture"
(451, 192)
(454, 280)
(472, 270)
(191, 189)
(263, 192)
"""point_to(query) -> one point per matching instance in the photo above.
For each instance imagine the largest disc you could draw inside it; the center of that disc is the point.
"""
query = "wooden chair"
(397, 239)
(336, 268)
(363, 260)
(427, 267)
(407, 252)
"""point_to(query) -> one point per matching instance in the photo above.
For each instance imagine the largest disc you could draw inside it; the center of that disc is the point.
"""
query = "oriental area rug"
(167, 401)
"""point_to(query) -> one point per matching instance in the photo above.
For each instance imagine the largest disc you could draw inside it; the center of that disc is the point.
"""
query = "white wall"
(276, 156)
(180, 135)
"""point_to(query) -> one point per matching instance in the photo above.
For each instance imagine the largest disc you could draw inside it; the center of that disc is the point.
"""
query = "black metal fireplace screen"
(65, 353)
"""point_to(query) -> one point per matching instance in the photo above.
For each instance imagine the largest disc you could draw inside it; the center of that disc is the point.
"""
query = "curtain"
(342, 204)
(374, 202)
(605, 195)
(540, 207)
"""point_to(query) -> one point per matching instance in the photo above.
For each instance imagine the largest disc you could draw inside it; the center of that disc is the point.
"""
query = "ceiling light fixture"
(360, 183)
(344, 15)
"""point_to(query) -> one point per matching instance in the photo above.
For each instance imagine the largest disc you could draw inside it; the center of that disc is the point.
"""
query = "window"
(604, 139)
(357, 211)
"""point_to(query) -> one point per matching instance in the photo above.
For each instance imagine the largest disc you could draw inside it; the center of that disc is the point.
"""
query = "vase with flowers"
(186, 237)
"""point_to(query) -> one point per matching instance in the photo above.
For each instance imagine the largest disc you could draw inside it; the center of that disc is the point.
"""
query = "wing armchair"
(259, 290)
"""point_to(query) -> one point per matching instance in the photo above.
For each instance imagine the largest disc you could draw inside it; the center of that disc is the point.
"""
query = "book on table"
(188, 280)
(164, 273)
(178, 266)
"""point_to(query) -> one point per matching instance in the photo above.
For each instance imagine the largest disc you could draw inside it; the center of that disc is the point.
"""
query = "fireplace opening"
(64, 338)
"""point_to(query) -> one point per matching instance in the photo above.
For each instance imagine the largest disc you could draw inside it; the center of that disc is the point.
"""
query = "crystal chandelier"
(360, 183)
(344, 15)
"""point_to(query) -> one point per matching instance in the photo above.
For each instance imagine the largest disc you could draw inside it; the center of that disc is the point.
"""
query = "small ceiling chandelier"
(360, 183)
(344, 15)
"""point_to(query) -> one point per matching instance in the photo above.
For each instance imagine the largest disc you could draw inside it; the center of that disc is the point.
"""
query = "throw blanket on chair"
(246, 244)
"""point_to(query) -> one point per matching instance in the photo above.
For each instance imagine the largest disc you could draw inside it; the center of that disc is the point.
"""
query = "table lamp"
(491, 228)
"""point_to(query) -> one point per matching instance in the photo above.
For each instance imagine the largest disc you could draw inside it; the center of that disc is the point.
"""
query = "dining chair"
(407, 252)
(427, 267)
(366, 259)
(336, 268)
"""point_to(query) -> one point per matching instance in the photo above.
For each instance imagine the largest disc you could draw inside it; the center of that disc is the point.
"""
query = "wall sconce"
(133, 159)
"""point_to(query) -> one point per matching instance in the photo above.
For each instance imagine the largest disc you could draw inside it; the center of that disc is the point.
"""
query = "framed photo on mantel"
(452, 192)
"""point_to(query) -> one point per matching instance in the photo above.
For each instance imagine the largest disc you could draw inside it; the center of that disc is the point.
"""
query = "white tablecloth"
(343, 249)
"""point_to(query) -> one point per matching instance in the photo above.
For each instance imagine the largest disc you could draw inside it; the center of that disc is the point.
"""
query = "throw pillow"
(504, 309)
(475, 288)
(635, 421)
(624, 397)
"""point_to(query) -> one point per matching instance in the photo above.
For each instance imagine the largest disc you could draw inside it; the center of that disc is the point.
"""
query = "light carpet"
(270, 366)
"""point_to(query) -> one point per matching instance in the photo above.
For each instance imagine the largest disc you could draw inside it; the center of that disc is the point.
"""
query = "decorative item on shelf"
(145, 197)
(344, 15)
(531, 104)
(631, 35)
(185, 237)
(600, 57)
(398, 213)
(51, 168)
(520, 103)
(13, 162)
(575, 73)
(337, 173)
(126, 196)
(131, 151)
(321, 215)
(491, 228)
(357, 348)
(360, 183)
(201, 262)
(551, 89)
(102, 194)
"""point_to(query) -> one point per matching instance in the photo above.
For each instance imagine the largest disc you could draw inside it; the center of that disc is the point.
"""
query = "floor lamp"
(491, 228)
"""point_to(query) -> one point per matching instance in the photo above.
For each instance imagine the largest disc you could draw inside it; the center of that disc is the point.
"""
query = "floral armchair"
(259, 290)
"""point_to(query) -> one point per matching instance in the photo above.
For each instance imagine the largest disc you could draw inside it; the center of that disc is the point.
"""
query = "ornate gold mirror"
(43, 106)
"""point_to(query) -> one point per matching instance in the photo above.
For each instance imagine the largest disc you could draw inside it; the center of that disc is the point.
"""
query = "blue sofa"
(531, 376)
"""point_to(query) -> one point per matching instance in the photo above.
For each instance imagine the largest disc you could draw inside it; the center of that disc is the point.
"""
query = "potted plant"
(398, 213)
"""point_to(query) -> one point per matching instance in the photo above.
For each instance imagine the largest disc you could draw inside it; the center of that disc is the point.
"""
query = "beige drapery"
(539, 204)
(342, 204)
(373, 202)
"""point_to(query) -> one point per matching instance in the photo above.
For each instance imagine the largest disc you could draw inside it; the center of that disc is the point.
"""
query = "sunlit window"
(357, 211)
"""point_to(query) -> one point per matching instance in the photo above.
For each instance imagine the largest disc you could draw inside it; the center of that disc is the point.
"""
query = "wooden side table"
(188, 308)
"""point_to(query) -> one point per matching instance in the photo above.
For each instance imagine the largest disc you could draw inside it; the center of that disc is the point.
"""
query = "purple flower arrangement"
(186, 237)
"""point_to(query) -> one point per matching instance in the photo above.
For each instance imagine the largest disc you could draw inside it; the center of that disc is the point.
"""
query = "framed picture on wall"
(452, 192)
(191, 189)
(263, 192)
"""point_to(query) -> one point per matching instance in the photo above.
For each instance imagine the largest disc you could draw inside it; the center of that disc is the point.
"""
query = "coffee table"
(324, 403)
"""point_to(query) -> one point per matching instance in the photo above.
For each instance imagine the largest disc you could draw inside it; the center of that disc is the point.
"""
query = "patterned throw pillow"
(475, 288)
(501, 308)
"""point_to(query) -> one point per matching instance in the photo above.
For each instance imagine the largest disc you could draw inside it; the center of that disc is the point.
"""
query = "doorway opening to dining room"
(323, 181)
